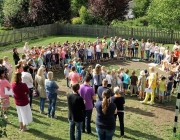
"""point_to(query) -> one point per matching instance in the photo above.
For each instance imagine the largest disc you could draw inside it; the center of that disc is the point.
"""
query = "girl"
(112, 48)
(169, 85)
(130, 48)
(124, 45)
(104, 50)
(126, 81)
(142, 48)
(141, 84)
(119, 80)
(103, 72)
(89, 54)
(162, 89)
(114, 79)
(156, 54)
(152, 51)
(147, 49)
(109, 78)
(136, 46)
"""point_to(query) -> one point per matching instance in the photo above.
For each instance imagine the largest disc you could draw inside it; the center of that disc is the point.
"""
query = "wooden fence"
(25, 34)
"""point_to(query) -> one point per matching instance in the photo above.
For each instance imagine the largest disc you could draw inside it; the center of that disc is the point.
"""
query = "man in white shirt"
(27, 79)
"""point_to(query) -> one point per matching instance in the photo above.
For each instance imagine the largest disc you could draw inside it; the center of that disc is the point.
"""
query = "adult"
(75, 107)
(21, 92)
(147, 49)
(73, 76)
(151, 85)
(15, 56)
(102, 88)
(142, 48)
(51, 91)
(119, 101)
(4, 84)
(8, 67)
(87, 93)
(105, 120)
(40, 86)
(27, 79)
(97, 77)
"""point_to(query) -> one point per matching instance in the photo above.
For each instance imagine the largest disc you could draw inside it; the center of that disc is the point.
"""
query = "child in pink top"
(63, 53)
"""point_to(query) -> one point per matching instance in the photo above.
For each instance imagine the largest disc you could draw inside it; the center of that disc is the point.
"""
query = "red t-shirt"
(20, 98)
(176, 53)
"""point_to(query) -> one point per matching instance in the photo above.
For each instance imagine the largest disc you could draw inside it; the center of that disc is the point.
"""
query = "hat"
(97, 65)
(124, 40)
(170, 77)
(142, 72)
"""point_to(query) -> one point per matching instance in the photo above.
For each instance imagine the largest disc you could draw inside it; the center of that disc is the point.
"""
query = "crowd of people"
(91, 87)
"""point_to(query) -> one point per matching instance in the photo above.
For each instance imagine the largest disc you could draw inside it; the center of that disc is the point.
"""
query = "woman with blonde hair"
(97, 77)
(40, 86)
(105, 120)
(21, 92)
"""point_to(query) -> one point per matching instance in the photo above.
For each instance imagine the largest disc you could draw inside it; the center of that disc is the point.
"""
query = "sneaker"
(55, 117)
(48, 116)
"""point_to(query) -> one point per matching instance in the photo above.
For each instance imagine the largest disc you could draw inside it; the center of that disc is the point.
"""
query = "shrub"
(76, 20)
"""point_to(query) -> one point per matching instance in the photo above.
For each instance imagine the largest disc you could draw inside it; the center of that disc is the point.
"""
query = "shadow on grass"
(42, 135)
(139, 111)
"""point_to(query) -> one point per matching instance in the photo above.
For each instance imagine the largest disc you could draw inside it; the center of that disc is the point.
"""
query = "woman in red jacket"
(21, 92)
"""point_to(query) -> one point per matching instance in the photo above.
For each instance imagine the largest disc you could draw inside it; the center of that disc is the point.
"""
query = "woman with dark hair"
(15, 56)
(105, 120)
(21, 92)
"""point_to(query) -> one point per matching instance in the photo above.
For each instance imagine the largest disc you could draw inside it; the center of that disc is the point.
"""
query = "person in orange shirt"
(176, 55)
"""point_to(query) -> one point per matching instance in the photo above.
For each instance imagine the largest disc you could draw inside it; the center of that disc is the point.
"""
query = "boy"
(66, 74)
(169, 85)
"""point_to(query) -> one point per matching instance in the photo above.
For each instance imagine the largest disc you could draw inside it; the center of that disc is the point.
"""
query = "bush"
(76, 20)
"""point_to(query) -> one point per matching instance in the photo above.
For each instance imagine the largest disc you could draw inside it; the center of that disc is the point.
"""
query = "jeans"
(147, 54)
(87, 120)
(156, 58)
(67, 82)
(42, 102)
(51, 106)
(104, 134)
(72, 130)
(121, 121)
(161, 57)
(132, 52)
(30, 96)
(112, 54)
(98, 55)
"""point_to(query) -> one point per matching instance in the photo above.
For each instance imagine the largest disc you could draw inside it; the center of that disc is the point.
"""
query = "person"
(97, 77)
(126, 81)
(109, 78)
(151, 85)
(76, 106)
(119, 101)
(105, 120)
(169, 84)
(51, 91)
(162, 89)
(142, 48)
(15, 56)
(27, 79)
(147, 49)
(26, 48)
(141, 84)
(66, 74)
(103, 88)
(74, 76)
(87, 93)
(114, 79)
(40, 86)
(3, 97)
(21, 92)
(8, 67)
(134, 80)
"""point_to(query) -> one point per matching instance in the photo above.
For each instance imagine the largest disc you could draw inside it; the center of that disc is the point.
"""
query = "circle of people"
(34, 74)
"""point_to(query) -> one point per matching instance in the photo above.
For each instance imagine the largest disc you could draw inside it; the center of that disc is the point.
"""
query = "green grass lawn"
(142, 122)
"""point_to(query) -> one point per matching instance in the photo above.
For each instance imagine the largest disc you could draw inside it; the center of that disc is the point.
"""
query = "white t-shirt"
(25, 49)
(92, 49)
(89, 53)
(152, 49)
(147, 46)
(175, 46)
(98, 49)
(109, 78)
(119, 81)
(162, 50)
(66, 73)
(156, 49)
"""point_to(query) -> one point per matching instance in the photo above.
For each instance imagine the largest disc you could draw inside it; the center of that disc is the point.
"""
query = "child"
(169, 85)
(126, 81)
(103, 72)
(89, 54)
(109, 78)
(70, 64)
(134, 80)
(141, 84)
(162, 89)
(114, 79)
(66, 74)
(119, 80)
(83, 73)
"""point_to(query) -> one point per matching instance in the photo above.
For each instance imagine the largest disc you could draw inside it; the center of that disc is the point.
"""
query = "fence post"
(132, 30)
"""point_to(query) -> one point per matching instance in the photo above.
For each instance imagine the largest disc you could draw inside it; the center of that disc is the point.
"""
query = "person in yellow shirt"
(162, 89)
(151, 85)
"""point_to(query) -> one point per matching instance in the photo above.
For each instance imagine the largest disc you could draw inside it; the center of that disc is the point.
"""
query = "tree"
(109, 10)
(76, 5)
(140, 7)
(164, 14)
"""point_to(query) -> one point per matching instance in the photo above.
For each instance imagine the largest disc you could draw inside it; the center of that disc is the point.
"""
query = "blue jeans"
(161, 57)
(52, 106)
(147, 54)
(104, 134)
(112, 54)
(156, 58)
(42, 102)
(87, 121)
(72, 130)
